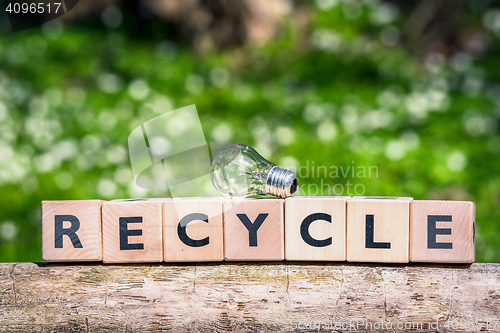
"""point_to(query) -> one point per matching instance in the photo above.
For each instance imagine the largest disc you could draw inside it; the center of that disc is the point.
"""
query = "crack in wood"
(13, 284)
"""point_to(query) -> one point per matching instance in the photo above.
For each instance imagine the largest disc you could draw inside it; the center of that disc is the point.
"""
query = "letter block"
(378, 229)
(193, 230)
(442, 231)
(254, 229)
(315, 228)
(71, 230)
(131, 231)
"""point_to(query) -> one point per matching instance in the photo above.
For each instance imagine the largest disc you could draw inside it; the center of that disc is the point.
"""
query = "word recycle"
(354, 229)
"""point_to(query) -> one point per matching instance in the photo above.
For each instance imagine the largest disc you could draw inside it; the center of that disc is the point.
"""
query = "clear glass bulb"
(238, 170)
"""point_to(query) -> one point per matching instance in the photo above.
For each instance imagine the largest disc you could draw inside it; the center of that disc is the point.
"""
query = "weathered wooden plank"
(246, 297)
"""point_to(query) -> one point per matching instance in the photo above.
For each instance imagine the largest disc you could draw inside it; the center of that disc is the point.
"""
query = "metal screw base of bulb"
(281, 182)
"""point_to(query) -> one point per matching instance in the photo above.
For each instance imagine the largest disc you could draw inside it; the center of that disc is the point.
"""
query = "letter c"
(304, 230)
(181, 230)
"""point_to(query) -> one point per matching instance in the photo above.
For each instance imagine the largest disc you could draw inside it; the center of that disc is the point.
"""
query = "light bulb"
(239, 170)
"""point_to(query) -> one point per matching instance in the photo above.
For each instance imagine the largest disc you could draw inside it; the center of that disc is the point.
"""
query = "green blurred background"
(410, 88)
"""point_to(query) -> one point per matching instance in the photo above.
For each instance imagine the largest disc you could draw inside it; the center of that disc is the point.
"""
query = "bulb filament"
(255, 175)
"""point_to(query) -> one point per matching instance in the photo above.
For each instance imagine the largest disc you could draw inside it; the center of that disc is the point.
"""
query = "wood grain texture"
(269, 241)
(149, 213)
(88, 215)
(390, 225)
(242, 297)
(297, 209)
(461, 229)
(174, 211)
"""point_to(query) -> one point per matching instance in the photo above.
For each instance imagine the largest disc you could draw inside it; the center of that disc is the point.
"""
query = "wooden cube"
(254, 229)
(193, 229)
(132, 231)
(442, 231)
(378, 229)
(71, 230)
(315, 228)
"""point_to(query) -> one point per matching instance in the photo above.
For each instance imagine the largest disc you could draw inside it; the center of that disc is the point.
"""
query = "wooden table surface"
(249, 296)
